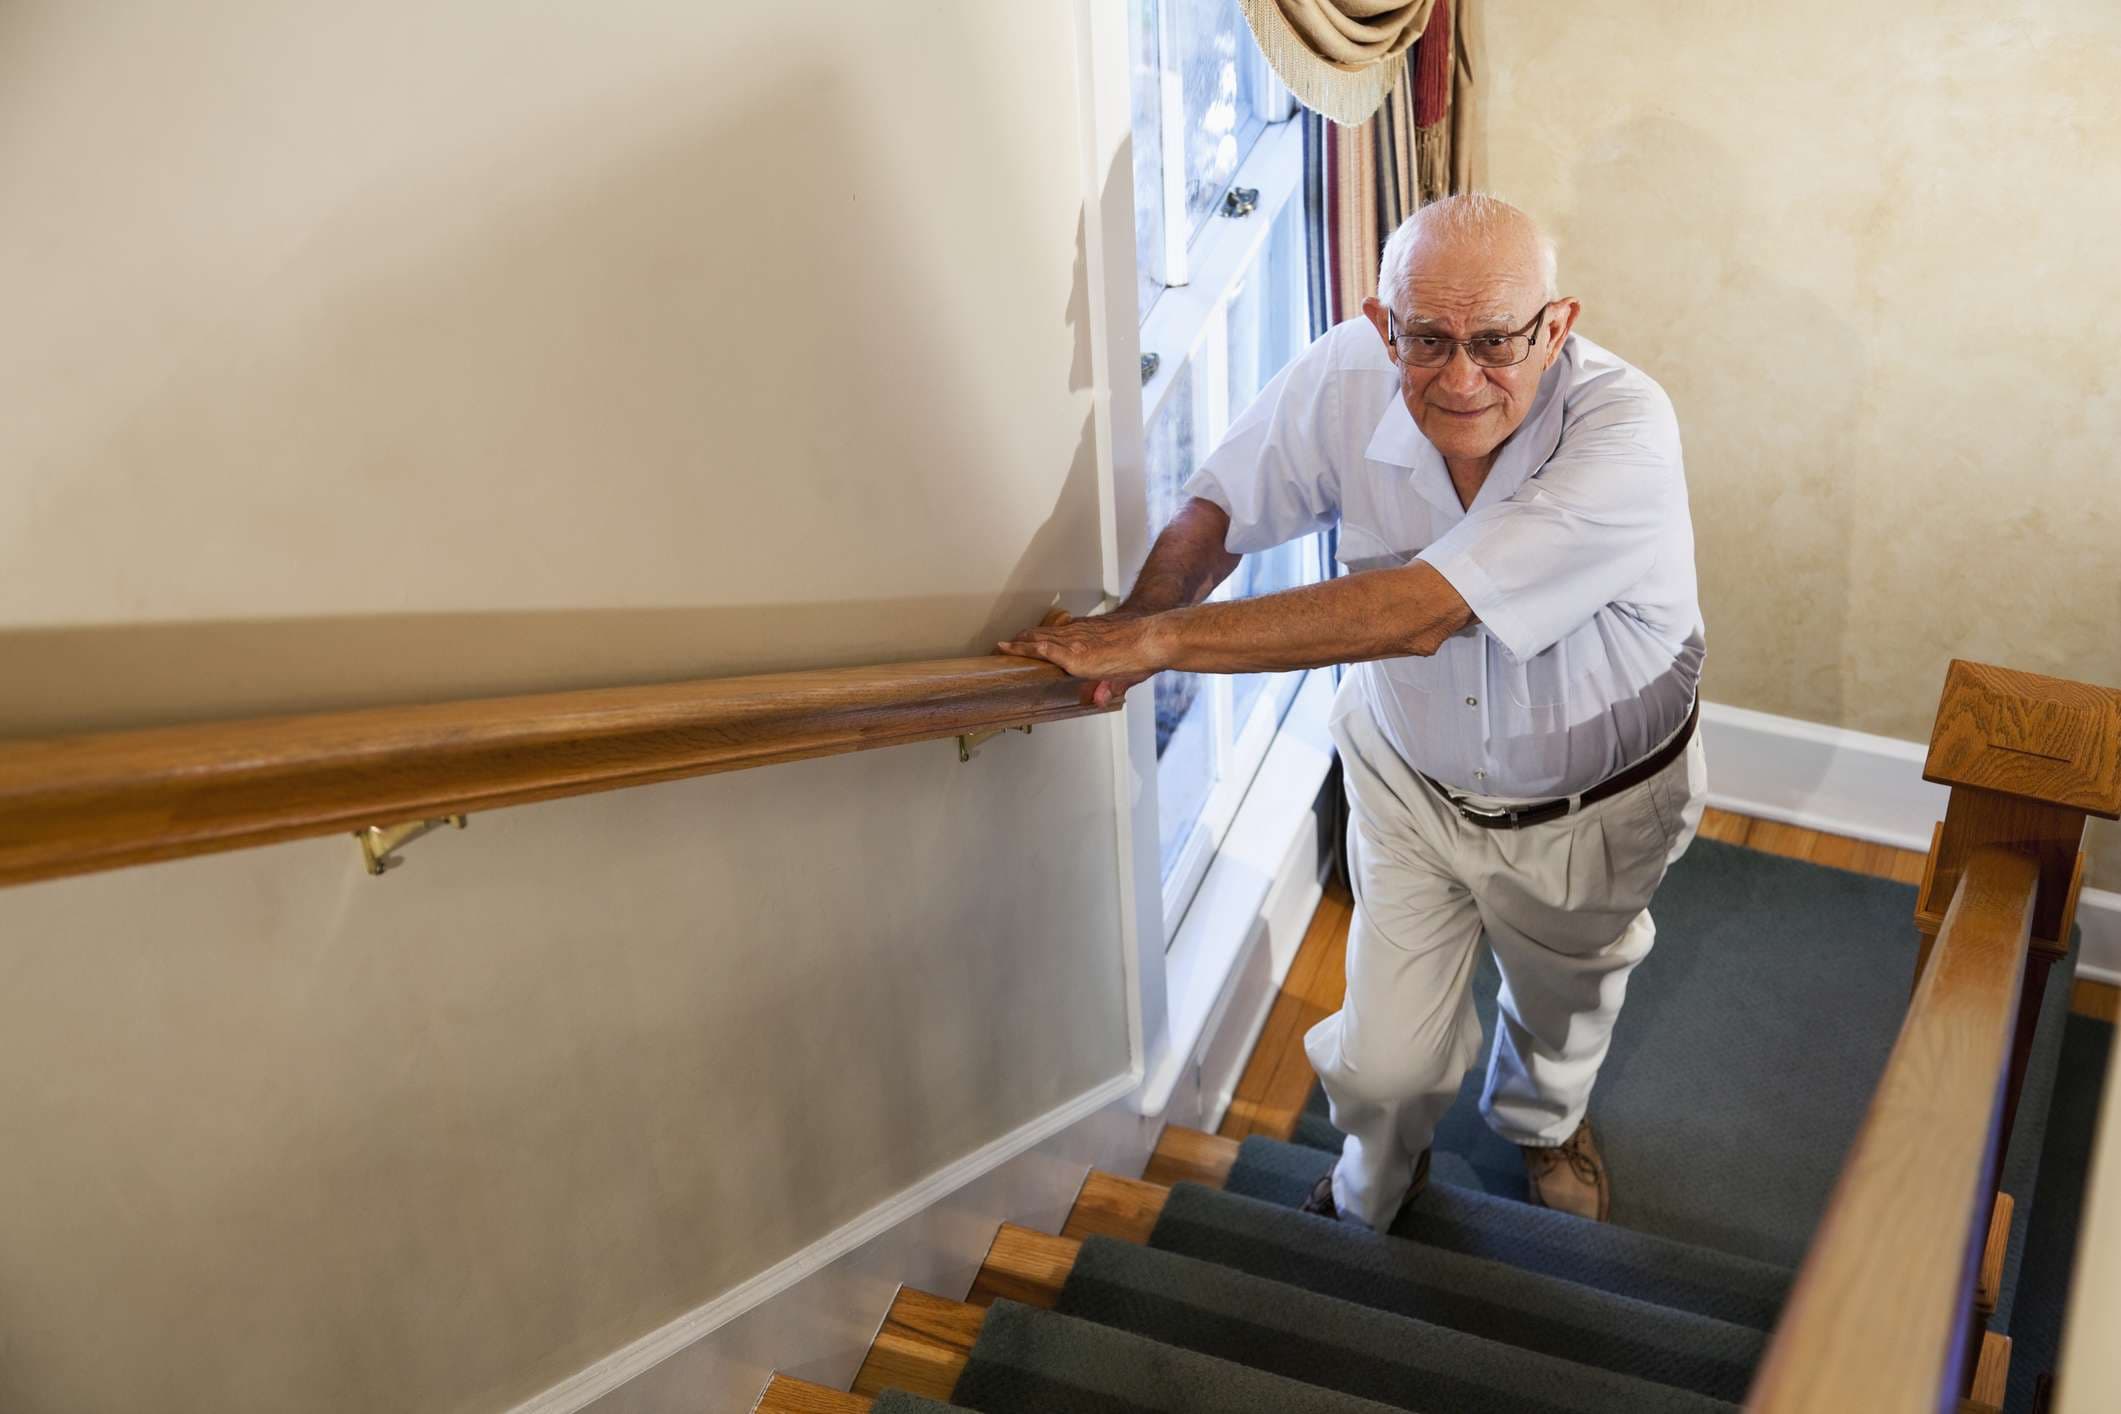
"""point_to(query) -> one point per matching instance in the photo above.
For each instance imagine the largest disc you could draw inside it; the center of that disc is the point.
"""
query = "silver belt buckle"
(1478, 816)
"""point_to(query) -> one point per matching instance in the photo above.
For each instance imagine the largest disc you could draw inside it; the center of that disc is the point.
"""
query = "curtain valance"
(1339, 57)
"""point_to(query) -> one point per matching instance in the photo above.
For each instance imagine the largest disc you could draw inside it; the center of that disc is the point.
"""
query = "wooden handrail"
(72, 805)
(1879, 1313)
(1882, 1314)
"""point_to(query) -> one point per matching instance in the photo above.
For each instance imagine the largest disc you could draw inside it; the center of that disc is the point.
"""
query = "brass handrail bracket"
(969, 744)
(380, 843)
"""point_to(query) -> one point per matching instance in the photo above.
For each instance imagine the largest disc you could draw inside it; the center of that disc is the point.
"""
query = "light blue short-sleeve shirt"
(1577, 557)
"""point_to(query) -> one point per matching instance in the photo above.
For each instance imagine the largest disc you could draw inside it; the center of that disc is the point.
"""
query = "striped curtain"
(1425, 142)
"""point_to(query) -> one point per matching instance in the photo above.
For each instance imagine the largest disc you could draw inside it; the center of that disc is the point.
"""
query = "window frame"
(1188, 316)
(1187, 328)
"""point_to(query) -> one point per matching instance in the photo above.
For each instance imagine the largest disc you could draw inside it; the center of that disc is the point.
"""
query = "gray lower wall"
(279, 1135)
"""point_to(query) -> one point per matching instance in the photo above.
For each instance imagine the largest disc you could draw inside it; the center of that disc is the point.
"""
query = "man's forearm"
(1186, 563)
(1382, 614)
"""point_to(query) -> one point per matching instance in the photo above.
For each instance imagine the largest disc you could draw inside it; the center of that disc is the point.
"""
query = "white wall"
(385, 352)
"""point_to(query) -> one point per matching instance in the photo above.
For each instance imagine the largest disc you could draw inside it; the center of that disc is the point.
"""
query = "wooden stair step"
(1030, 1267)
(1125, 1208)
(1988, 1283)
(1992, 1373)
(1025, 1266)
(1191, 1156)
(922, 1348)
(785, 1395)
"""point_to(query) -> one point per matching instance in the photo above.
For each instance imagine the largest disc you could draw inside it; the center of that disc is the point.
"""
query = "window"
(1222, 247)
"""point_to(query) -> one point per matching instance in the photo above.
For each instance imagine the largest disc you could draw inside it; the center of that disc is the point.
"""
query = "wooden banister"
(1879, 1307)
(1882, 1314)
(72, 805)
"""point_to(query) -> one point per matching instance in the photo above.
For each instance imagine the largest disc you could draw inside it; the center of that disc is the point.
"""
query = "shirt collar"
(1398, 441)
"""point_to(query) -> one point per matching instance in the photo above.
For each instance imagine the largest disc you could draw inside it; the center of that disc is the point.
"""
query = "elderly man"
(1518, 734)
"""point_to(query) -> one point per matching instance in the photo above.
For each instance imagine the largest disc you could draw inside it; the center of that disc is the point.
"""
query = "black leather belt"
(1612, 785)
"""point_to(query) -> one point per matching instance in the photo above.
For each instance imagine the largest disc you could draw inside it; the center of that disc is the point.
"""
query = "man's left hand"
(1116, 651)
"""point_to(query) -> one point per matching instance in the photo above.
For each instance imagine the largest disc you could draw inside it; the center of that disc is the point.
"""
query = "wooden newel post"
(2027, 759)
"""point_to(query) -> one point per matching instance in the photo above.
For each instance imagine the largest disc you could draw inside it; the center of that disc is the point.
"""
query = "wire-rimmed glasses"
(1487, 350)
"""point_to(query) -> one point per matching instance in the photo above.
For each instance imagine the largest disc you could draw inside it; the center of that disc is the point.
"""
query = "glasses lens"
(1424, 353)
(1499, 351)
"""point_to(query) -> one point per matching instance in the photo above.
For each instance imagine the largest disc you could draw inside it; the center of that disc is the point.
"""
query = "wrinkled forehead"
(1471, 283)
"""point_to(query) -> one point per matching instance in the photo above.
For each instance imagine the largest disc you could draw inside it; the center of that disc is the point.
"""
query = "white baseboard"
(814, 1314)
(1867, 787)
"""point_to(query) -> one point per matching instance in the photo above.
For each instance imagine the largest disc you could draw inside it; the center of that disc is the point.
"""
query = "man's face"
(1463, 290)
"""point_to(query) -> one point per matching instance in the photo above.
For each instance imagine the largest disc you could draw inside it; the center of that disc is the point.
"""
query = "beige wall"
(373, 352)
(1867, 249)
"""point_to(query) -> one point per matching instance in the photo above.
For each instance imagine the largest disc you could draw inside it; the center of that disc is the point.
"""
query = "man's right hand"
(1184, 566)
(1109, 691)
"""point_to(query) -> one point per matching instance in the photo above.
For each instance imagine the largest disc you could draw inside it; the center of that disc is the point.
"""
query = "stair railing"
(1882, 1316)
(76, 804)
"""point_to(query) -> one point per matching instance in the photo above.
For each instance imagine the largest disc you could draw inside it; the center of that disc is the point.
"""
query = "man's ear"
(1375, 309)
(1561, 318)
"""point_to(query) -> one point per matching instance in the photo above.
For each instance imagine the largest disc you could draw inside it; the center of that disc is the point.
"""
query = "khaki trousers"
(1564, 905)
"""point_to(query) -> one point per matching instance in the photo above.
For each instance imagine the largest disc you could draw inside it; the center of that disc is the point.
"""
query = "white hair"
(1470, 215)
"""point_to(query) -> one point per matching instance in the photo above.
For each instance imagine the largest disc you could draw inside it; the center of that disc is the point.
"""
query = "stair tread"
(1540, 1313)
(1639, 1264)
(1342, 1345)
(1110, 1206)
(1023, 1265)
(898, 1401)
(1032, 1359)
(1190, 1155)
(921, 1347)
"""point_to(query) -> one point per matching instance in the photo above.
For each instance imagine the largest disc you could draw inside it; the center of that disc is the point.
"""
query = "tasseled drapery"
(1422, 143)
(1339, 57)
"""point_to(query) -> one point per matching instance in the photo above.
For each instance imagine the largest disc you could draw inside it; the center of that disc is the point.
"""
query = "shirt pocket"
(1361, 549)
(1549, 679)
(1455, 667)
(1453, 670)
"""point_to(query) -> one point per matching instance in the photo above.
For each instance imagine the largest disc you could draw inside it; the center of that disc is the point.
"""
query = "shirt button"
(1472, 702)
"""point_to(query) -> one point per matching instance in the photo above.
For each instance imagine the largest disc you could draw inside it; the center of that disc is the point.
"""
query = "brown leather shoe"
(1320, 1204)
(1571, 1176)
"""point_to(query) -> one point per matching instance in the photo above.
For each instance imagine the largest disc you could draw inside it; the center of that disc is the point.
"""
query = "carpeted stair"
(1596, 1256)
(1752, 1039)
(1725, 1128)
(1644, 1332)
(1347, 1346)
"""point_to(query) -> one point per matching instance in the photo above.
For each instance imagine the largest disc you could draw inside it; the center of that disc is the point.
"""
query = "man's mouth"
(1454, 412)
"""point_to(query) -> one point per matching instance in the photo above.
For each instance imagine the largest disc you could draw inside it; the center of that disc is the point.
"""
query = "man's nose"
(1460, 374)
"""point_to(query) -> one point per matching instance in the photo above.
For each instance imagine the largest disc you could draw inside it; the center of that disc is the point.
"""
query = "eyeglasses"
(1487, 350)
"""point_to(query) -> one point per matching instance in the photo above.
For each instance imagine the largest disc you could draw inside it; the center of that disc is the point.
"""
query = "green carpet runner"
(1752, 1038)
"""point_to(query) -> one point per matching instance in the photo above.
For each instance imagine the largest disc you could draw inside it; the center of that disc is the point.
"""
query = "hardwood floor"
(1278, 1076)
